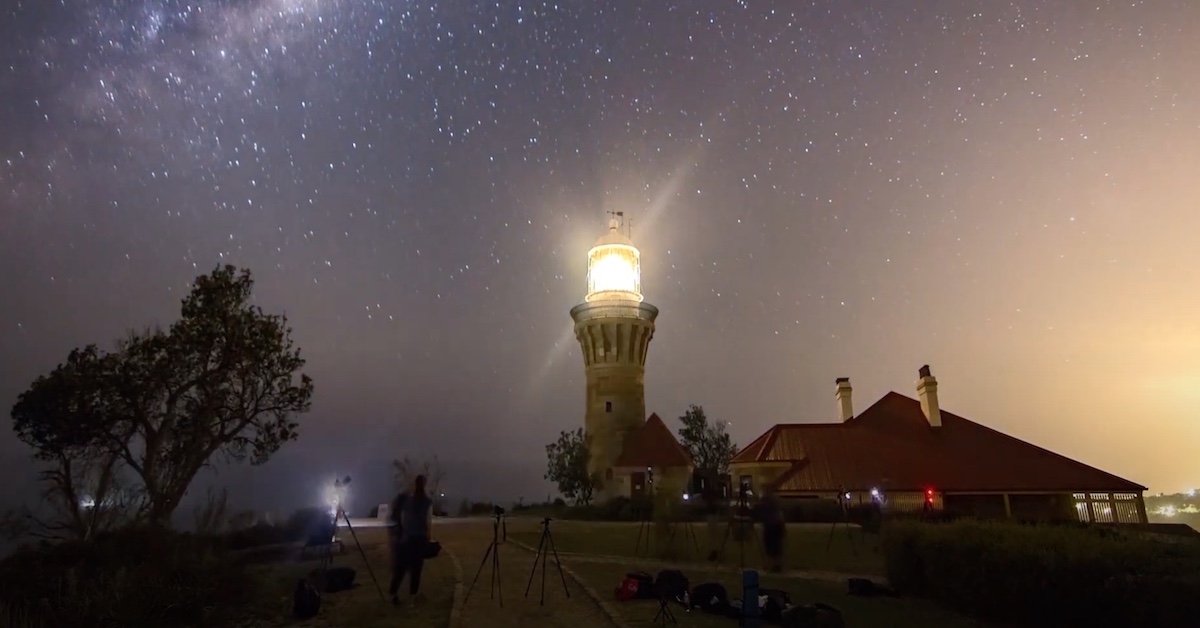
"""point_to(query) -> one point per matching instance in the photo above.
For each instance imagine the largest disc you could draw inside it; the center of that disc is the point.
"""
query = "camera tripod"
(844, 502)
(740, 516)
(340, 514)
(645, 524)
(645, 532)
(664, 615)
(689, 533)
(493, 551)
(541, 551)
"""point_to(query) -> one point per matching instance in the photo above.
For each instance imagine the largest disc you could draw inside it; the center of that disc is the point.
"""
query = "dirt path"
(469, 542)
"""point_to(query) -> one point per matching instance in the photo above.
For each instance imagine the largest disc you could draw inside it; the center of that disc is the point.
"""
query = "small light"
(874, 492)
(686, 497)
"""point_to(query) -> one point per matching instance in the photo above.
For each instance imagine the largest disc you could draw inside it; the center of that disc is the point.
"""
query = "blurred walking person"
(774, 529)
(412, 515)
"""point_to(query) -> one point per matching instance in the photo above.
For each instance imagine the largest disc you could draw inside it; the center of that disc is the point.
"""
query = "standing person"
(416, 521)
(395, 531)
(774, 528)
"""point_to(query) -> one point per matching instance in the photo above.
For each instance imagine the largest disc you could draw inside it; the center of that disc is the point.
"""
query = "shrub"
(811, 510)
(258, 535)
(615, 509)
(306, 522)
(137, 577)
(1045, 575)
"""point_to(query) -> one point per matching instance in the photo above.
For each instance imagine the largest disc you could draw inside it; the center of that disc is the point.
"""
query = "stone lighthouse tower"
(614, 327)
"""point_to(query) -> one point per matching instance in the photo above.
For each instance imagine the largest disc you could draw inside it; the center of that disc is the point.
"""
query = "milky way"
(1006, 191)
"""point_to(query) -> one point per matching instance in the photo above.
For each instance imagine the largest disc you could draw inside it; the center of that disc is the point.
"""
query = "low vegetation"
(135, 577)
(1047, 575)
(153, 576)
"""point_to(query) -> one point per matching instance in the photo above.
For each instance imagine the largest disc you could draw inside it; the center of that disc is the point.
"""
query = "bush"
(1045, 575)
(811, 510)
(306, 522)
(481, 508)
(258, 535)
(137, 577)
(615, 509)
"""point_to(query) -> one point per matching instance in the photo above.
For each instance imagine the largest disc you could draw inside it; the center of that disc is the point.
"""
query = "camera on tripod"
(545, 547)
(743, 500)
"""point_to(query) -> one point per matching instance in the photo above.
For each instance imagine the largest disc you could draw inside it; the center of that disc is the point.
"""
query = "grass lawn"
(359, 607)
(804, 549)
(857, 612)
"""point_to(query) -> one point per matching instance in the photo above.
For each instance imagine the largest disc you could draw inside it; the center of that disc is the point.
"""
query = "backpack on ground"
(710, 597)
(777, 602)
(812, 616)
(645, 585)
(868, 588)
(671, 583)
(306, 601)
(335, 579)
(627, 590)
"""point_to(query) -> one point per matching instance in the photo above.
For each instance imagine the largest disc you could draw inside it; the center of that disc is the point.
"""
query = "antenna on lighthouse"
(614, 222)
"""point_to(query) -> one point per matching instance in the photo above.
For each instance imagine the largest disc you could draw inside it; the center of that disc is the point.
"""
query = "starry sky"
(1007, 191)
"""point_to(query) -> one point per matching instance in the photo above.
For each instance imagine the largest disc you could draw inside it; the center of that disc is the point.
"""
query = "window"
(608, 406)
(1106, 508)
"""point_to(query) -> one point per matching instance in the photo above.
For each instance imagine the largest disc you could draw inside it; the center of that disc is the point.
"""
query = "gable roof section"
(892, 446)
(653, 445)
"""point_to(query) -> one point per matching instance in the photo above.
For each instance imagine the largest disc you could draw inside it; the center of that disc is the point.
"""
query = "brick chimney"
(845, 405)
(927, 391)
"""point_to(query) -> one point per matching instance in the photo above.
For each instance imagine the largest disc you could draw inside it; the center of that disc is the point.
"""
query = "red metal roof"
(892, 446)
(653, 446)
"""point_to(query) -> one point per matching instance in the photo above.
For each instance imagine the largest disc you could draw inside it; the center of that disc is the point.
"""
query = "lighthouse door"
(637, 485)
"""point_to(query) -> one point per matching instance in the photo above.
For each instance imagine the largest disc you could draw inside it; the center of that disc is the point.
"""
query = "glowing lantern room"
(614, 268)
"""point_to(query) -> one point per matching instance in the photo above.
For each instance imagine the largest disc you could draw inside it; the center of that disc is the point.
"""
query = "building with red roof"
(909, 454)
(651, 453)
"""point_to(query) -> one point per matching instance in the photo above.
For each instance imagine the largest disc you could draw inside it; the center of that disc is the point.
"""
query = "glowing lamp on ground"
(614, 268)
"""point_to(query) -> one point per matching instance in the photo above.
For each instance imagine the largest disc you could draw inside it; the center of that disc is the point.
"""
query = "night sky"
(1007, 191)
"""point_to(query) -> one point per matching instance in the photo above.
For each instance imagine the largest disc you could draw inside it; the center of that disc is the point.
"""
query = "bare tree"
(212, 516)
(82, 496)
(405, 471)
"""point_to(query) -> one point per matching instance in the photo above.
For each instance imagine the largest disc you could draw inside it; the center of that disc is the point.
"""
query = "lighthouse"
(614, 326)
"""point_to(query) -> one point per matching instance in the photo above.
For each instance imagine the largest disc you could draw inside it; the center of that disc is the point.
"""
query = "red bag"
(628, 590)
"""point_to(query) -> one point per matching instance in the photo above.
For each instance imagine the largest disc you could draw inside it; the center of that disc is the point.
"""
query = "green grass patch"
(1047, 575)
(361, 606)
(808, 546)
